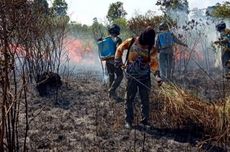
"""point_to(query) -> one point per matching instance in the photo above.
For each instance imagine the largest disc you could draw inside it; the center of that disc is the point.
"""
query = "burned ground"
(83, 118)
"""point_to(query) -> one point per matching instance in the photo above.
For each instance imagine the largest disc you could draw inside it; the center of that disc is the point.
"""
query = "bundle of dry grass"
(175, 108)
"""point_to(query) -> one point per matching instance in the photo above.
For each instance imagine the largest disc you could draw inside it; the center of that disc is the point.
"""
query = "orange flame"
(186, 54)
(78, 50)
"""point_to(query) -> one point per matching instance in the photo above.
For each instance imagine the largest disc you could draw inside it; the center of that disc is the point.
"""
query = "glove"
(158, 78)
(159, 81)
(157, 73)
(118, 63)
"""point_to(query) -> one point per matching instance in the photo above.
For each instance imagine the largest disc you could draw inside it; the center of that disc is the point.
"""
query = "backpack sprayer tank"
(106, 48)
(166, 40)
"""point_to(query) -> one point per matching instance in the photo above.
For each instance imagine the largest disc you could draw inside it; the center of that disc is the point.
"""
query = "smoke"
(198, 31)
(178, 15)
(81, 56)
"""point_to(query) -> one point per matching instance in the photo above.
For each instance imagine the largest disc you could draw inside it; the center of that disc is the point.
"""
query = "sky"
(83, 11)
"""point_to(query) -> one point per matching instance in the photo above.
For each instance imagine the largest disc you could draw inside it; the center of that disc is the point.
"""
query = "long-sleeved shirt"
(169, 40)
(225, 40)
(139, 60)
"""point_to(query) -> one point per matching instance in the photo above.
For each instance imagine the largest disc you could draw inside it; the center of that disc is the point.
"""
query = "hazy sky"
(83, 11)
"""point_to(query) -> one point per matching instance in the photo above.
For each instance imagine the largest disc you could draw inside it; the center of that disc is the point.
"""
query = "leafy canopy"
(116, 11)
(222, 10)
(60, 7)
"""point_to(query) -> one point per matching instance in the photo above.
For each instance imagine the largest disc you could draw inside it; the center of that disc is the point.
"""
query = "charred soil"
(83, 118)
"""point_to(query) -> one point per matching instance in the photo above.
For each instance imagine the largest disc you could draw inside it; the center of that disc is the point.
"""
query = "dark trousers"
(115, 76)
(225, 57)
(166, 65)
(144, 88)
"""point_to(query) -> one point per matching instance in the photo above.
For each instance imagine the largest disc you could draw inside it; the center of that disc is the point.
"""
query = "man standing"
(224, 43)
(164, 44)
(115, 73)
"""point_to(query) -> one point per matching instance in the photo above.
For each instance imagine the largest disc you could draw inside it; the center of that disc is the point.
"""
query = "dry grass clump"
(174, 108)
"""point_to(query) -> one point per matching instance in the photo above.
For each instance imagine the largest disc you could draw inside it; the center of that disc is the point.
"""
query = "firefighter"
(224, 43)
(140, 60)
(115, 73)
(164, 44)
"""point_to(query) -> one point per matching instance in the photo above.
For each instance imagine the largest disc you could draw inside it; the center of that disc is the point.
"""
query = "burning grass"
(175, 108)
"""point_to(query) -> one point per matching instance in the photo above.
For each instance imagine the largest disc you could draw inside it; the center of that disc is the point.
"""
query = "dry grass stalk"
(176, 108)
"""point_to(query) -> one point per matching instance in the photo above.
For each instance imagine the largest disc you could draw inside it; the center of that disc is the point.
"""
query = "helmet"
(114, 29)
(221, 26)
(163, 26)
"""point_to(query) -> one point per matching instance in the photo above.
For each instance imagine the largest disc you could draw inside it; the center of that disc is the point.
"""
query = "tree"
(60, 7)
(116, 11)
(98, 29)
(41, 6)
(79, 30)
(139, 22)
(123, 23)
(181, 5)
(220, 10)
(177, 10)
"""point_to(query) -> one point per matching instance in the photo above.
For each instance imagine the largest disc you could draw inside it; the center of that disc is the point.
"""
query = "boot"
(113, 95)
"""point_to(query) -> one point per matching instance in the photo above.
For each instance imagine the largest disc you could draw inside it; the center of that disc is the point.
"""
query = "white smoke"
(198, 31)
